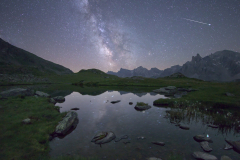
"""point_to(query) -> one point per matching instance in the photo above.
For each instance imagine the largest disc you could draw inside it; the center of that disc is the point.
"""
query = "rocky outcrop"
(68, 122)
(220, 66)
(17, 92)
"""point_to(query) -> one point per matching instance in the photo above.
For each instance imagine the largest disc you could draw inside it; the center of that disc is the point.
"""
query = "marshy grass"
(26, 141)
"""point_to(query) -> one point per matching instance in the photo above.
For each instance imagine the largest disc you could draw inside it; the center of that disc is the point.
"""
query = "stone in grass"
(225, 158)
(140, 106)
(205, 146)
(42, 94)
(203, 156)
(229, 94)
(26, 121)
(68, 122)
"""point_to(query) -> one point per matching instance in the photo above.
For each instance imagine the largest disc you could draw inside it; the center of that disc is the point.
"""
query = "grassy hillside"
(12, 57)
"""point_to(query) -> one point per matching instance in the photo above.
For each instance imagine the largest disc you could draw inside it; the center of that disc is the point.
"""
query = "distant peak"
(196, 58)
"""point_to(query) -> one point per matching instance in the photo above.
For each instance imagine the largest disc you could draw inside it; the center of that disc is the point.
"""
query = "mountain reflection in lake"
(155, 124)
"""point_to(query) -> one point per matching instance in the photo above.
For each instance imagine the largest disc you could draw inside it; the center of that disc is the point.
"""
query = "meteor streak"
(196, 21)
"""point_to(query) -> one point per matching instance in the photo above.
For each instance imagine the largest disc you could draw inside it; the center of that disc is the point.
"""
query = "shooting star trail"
(197, 21)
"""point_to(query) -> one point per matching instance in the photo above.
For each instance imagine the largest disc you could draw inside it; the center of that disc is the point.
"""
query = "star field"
(113, 34)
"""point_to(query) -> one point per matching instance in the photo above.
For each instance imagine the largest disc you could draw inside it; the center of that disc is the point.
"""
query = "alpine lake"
(136, 130)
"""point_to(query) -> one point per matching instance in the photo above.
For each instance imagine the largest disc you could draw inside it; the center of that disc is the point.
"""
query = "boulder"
(103, 137)
(26, 121)
(225, 158)
(201, 138)
(68, 122)
(205, 146)
(42, 94)
(203, 156)
(159, 143)
(17, 92)
(142, 107)
(235, 144)
(59, 99)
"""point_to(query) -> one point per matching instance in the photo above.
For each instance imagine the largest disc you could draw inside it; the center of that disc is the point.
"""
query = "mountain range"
(219, 66)
(14, 60)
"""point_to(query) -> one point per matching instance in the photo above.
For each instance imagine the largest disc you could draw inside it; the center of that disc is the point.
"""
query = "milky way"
(113, 34)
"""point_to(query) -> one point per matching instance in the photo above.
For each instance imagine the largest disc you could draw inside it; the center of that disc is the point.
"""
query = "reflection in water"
(97, 114)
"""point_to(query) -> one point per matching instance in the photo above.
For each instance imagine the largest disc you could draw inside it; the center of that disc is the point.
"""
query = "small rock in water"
(26, 121)
(200, 138)
(130, 103)
(203, 156)
(154, 158)
(159, 143)
(184, 127)
(205, 146)
(212, 125)
(228, 146)
(103, 137)
(225, 158)
(115, 101)
(75, 109)
(141, 137)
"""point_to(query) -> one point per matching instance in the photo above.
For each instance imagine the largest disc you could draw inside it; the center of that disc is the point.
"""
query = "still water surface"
(98, 114)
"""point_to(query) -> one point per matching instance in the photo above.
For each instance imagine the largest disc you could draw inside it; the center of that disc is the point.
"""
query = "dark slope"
(14, 60)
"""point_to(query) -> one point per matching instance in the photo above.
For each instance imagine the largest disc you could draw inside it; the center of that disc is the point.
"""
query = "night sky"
(113, 34)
